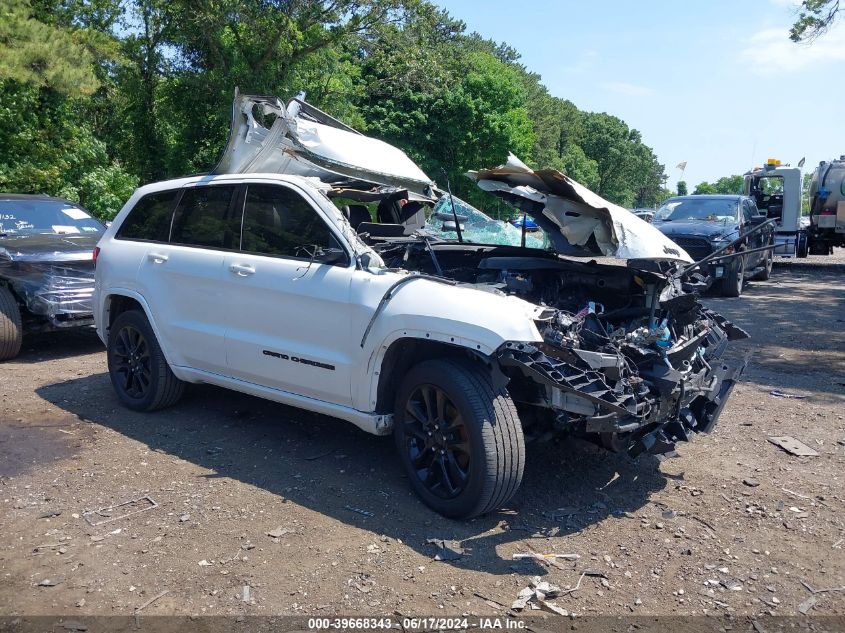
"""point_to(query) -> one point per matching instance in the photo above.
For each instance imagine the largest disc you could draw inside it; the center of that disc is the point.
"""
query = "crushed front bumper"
(646, 412)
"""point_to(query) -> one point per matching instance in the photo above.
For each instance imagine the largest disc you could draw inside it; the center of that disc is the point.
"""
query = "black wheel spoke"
(423, 459)
(436, 441)
(445, 477)
(457, 473)
(131, 362)
(429, 406)
(416, 410)
(441, 407)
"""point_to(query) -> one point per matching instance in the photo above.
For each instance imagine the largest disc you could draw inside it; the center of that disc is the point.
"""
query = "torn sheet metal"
(588, 224)
(305, 141)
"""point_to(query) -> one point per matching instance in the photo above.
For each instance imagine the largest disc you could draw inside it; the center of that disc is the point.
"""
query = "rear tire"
(11, 326)
(735, 278)
(138, 370)
(766, 273)
(459, 438)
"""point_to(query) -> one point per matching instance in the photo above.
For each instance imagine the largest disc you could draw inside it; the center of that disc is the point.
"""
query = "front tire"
(11, 326)
(734, 280)
(138, 370)
(459, 438)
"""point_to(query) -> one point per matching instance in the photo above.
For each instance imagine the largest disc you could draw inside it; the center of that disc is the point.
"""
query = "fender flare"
(129, 294)
(368, 396)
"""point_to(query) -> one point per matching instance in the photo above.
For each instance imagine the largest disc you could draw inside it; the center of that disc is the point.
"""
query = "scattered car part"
(134, 506)
(793, 446)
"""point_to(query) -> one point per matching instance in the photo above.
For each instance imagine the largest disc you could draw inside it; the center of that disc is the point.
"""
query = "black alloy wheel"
(458, 436)
(437, 442)
(131, 362)
(138, 369)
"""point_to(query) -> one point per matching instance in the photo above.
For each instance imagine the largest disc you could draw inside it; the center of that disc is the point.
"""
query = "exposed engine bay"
(628, 358)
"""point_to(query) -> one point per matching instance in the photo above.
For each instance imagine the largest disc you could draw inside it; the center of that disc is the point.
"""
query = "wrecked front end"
(629, 357)
(638, 380)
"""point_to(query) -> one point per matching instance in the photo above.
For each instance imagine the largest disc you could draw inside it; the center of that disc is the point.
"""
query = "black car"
(46, 266)
(703, 224)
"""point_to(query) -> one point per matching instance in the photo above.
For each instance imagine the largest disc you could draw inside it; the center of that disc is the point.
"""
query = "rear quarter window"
(150, 219)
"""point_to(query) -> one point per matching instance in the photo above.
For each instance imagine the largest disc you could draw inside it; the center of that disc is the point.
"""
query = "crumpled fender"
(457, 315)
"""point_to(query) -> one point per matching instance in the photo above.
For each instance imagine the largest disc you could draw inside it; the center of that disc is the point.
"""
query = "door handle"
(157, 258)
(242, 270)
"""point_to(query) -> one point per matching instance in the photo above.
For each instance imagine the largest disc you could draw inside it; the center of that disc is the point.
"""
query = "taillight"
(827, 212)
(95, 255)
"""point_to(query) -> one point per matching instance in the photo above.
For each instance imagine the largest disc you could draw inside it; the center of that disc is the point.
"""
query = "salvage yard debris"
(446, 550)
(279, 532)
(793, 446)
(135, 506)
(808, 604)
(782, 394)
(538, 556)
(366, 513)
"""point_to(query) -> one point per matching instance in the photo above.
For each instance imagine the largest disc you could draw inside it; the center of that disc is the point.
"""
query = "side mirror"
(757, 219)
(330, 255)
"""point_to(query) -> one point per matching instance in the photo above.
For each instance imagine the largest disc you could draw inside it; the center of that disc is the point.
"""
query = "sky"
(715, 83)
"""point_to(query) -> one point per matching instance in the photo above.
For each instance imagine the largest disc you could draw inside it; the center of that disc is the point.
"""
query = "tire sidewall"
(466, 501)
(733, 284)
(137, 320)
(10, 348)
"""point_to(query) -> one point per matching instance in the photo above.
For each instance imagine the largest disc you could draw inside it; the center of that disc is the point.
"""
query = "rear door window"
(279, 222)
(206, 217)
(149, 220)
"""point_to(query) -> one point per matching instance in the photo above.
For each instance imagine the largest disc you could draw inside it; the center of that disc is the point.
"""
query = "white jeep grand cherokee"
(259, 283)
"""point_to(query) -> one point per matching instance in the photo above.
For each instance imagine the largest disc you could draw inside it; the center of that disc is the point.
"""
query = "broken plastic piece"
(142, 504)
(793, 446)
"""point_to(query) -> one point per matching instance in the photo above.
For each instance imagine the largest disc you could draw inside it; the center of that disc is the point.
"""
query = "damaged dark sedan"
(46, 269)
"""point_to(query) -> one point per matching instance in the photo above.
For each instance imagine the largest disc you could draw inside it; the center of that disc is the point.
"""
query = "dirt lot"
(733, 525)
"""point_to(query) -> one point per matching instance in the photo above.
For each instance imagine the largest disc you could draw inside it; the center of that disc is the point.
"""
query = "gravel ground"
(733, 525)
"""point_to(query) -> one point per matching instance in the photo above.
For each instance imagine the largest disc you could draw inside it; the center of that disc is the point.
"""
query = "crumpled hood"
(701, 228)
(305, 141)
(577, 221)
(48, 247)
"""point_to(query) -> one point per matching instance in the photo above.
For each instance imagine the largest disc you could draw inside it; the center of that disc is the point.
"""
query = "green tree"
(682, 188)
(48, 146)
(815, 17)
(628, 171)
(41, 54)
(726, 184)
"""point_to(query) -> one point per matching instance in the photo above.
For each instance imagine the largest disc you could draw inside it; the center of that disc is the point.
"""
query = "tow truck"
(776, 189)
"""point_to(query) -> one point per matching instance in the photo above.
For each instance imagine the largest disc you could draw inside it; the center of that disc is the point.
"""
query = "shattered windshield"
(33, 216)
(710, 209)
(477, 227)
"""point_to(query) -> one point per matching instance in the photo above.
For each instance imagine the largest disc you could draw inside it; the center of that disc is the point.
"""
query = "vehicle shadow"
(335, 469)
(39, 347)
